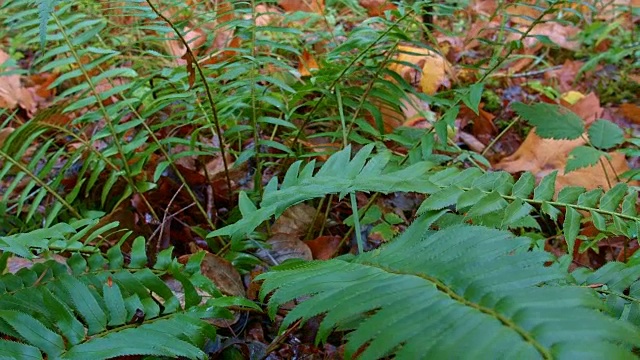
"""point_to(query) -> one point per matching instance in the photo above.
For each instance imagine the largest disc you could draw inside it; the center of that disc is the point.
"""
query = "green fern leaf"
(545, 190)
(551, 121)
(524, 186)
(157, 338)
(427, 292)
(612, 198)
(581, 157)
(34, 332)
(605, 135)
(619, 285)
(14, 350)
(571, 228)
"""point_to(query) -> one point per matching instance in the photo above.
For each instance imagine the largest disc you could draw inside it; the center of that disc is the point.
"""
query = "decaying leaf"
(295, 221)
(283, 247)
(376, 7)
(307, 64)
(316, 6)
(12, 93)
(324, 247)
(631, 112)
(436, 70)
(223, 274)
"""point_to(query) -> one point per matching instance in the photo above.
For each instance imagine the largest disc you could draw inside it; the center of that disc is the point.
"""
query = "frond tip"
(462, 292)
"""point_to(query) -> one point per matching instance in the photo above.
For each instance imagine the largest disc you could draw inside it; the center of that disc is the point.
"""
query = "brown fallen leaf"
(316, 6)
(12, 93)
(283, 247)
(586, 107)
(4, 134)
(295, 221)
(631, 112)
(307, 64)
(323, 247)
(223, 274)
(561, 35)
(484, 7)
(377, 7)
(539, 155)
(543, 156)
(596, 176)
(565, 76)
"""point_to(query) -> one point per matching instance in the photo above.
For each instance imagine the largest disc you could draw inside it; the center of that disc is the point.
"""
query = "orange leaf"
(377, 7)
(307, 64)
(316, 6)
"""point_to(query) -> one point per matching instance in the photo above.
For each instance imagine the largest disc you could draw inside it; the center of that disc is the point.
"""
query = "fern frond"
(491, 199)
(462, 292)
(619, 285)
(494, 199)
(340, 174)
(87, 308)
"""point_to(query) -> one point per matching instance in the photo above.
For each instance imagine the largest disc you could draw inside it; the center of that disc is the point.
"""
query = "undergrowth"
(143, 121)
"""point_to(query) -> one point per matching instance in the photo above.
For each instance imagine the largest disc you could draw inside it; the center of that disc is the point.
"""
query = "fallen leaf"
(223, 274)
(324, 247)
(4, 134)
(295, 221)
(12, 93)
(316, 6)
(615, 10)
(565, 76)
(307, 64)
(436, 70)
(561, 35)
(267, 15)
(595, 176)
(283, 247)
(631, 112)
(588, 108)
(377, 7)
(539, 155)
(484, 7)
(16, 263)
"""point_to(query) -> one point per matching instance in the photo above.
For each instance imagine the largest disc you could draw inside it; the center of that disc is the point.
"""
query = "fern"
(619, 286)
(96, 307)
(491, 198)
(462, 292)
(340, 174)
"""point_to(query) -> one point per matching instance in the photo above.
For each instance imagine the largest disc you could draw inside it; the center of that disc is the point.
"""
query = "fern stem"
(214, 111)
(356, 222)
(361, 217)
(495, 140)
(257, 180)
